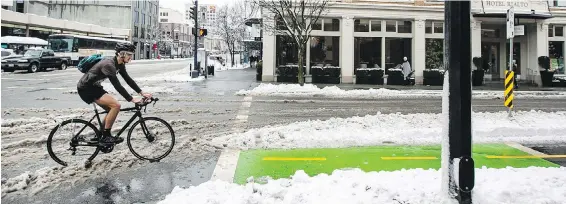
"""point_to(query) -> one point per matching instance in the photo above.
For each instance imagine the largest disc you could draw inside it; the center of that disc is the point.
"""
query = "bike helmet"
(124, 46)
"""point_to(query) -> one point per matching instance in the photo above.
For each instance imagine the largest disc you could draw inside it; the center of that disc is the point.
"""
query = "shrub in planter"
(372, 76)
(395, 77)
(433, 77)
(259, 71)
(327, 74)
(288, 73)
(546, 74)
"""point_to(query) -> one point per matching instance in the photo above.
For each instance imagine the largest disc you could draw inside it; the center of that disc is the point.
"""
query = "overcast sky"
(180, 4)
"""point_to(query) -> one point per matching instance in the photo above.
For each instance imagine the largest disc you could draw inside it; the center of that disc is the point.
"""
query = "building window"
(325, 51)
(556, 54)
(361, 25)
(142, 32)
(331, 24)
(367, 52)
(436, 27)
(286, 51)
(136, 31)
(375, 25)
(395, 50)
(434, 53)
(136, 17)
(558, 3)
(555, 31)
(163, 20)
(404, 26)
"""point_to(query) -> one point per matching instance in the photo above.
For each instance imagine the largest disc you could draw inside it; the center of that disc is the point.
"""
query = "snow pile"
(310, 90)
(422, 128)
(182, 75)
(510, 185)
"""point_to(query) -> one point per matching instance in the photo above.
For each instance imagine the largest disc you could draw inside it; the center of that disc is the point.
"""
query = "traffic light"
(193, 13)
(202, 32)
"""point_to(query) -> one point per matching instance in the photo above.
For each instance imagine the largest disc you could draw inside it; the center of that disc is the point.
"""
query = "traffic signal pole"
(196, 38)
(459, 63)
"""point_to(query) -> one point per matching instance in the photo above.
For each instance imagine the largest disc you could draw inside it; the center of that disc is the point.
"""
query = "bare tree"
(293, 18)
(230, 24)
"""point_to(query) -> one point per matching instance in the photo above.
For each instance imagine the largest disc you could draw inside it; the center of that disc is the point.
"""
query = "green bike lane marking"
(282, 163)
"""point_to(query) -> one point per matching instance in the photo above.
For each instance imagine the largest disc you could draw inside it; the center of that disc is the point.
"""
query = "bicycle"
(80, 141)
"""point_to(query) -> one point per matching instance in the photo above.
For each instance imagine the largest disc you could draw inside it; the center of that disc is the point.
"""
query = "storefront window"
(556, 54)
(286, 51)
(434, 53)
(361, 25)
(404, 26)
(317, 25)
(516, 56)
(325, 51)
(390, 26)
(367, 52)
(395, 50)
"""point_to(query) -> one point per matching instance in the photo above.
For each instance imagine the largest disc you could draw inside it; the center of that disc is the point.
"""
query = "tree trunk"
(301, 59)
(232, 54)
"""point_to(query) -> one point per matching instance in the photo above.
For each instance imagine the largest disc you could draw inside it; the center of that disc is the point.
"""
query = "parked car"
(9, 53)
(36, 59)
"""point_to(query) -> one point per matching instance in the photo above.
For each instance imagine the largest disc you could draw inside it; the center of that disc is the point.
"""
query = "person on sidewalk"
(407, 71)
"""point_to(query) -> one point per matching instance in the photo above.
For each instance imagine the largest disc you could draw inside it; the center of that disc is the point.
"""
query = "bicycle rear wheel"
(153, 139)
(71, 147)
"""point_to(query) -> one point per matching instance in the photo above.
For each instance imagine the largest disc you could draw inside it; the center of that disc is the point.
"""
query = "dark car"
(34, 60)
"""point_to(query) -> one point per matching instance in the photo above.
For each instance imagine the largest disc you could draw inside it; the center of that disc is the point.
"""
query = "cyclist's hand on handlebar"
(146, 95)
(137, 101)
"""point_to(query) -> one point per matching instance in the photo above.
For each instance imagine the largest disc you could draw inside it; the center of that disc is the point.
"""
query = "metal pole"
(458, 62)
(511, 69)
(196, 38)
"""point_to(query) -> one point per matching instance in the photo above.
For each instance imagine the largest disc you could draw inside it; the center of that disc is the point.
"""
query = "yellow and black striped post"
(509, 85)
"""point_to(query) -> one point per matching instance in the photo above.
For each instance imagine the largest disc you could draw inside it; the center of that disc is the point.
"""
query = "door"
(490, 59)
(516, 56)
(45, 60)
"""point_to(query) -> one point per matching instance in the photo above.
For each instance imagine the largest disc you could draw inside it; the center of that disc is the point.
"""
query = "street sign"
(510, 23)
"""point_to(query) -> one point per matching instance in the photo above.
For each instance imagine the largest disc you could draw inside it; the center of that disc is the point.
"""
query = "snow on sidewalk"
(310, 90)
(422, 128)
(510, 185)
(181, 75)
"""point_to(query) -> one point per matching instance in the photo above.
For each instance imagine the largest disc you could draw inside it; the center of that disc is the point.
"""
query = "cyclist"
(90, 89)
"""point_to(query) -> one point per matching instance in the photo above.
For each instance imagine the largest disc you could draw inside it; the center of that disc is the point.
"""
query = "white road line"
(242, 117)
(525, 149)
(226, 166)
(248, 98)
(246, 104)
(30, 87)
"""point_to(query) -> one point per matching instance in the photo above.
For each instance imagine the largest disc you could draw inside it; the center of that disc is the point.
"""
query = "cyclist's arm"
(130, 81)
(116, 83)
(110, 71)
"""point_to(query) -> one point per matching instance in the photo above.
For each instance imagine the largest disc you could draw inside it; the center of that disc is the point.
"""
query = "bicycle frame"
(97, 114)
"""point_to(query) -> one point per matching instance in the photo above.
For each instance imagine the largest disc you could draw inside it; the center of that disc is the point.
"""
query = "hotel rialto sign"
(501, 6)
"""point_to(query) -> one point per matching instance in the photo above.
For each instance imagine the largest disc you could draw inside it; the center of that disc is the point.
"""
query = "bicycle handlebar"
(147, 101)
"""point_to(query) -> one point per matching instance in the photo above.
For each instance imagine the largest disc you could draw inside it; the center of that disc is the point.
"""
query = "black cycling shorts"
(91, 93)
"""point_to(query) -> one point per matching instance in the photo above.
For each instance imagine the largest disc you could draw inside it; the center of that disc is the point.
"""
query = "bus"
(19, 44)
(79, 46)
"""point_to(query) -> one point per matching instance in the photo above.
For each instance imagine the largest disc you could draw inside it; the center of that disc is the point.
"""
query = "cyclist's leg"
(113, 106)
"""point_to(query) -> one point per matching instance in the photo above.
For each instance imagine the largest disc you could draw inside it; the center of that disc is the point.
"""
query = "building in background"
(174, 29)
(138, 17)
(363, 34)
(207, 17)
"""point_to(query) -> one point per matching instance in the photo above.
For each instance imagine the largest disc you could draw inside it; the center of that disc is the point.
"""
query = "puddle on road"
(145, 184)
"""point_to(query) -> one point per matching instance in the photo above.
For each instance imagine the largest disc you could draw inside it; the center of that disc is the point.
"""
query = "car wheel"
(33, 68)
(63, 66)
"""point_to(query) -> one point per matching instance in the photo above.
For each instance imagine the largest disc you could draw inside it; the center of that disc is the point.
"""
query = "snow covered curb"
(510, 185)
(310, 90)
(154, 61)
(379, 129)
(181, 75)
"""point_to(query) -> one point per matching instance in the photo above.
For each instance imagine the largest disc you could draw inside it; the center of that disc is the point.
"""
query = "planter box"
(433, 77)
(395, 77)
(325, 75)
(288, 73)
(559, 82)
(372, 76)
(477, 77)
(546, 78)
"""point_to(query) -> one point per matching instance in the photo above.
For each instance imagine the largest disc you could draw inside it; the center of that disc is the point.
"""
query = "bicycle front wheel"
(151, 139)
(72, 142)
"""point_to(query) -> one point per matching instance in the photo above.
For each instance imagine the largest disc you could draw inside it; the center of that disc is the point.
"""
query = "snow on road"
(310, 90)
(422, 128)
(510, 185)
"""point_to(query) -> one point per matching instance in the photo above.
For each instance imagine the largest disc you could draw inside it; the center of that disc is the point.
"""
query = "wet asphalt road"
(201, 109)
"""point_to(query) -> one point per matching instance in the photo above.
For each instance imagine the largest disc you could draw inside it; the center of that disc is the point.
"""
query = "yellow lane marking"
(525, 156)
(294, 159)
(409, 158)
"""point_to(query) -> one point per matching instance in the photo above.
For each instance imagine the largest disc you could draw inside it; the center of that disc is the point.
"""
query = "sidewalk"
(490, 86)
